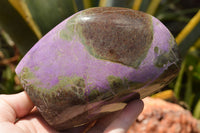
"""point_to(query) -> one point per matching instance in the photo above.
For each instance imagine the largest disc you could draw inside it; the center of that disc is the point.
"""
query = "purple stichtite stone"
(96, 61)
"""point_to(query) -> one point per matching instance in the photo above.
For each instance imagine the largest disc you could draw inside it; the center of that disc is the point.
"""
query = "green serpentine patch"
(72, 89)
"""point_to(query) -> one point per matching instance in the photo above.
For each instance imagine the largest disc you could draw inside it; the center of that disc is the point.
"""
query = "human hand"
(18, 114)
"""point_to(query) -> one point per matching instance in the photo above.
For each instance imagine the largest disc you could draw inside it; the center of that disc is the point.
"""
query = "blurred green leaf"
(187, 83)
(197, 72)
(136, 4)
(95, 3)
(23, 10)
(178, 84)
(48, 13)
(116, 3)
(79, 4)
(7, 74)
(144, 5)
(13, 23)
(84, 4)
(197, 110)
(179, 15)
(189, 40)
(189, 96)
(189, 35)
(153, 6)
(8, 85)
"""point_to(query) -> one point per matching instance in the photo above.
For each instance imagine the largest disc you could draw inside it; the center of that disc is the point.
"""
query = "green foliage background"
(24, 22)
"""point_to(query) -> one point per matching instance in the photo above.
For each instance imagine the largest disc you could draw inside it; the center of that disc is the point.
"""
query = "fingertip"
(126, 118)
(136, 103)
(25, 105)
(15, 106)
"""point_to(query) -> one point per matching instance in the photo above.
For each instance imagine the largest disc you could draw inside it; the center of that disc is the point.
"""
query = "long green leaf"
(84, 4)
(189, 96)
(196, 111)
(95, 3)
(189, 35)
(144, 5)
(48, 13)
(189, 40)
(13, 23)
(23, 10)
(153, 6)
(79, 4)
(136, 4)
(115, 3)
(177, 87)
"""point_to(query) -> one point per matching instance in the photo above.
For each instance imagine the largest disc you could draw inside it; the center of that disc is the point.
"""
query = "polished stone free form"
(94, 62)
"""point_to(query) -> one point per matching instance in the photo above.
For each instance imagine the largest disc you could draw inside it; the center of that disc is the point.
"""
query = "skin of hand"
(18, 114)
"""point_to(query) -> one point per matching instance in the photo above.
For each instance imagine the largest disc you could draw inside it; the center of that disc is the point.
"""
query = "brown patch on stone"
(116, 34)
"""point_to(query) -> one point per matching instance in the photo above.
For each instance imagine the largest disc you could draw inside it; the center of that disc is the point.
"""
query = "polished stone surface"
(95, 58)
